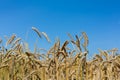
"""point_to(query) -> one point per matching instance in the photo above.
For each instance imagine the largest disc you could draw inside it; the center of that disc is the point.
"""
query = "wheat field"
(63, 61)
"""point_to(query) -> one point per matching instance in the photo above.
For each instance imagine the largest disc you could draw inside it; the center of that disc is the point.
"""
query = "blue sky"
(100, 19)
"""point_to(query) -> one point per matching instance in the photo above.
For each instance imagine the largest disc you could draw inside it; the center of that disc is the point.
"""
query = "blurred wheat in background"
(61, 62)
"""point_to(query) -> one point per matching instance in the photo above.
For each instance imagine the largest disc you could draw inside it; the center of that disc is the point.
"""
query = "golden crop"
(59, 63)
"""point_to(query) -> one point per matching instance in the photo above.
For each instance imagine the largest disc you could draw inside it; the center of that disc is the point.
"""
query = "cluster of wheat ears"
(67, 61)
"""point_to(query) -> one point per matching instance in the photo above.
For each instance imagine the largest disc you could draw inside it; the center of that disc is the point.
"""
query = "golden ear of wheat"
(16, 41)
(78, 43)
(70, 36)
(104, 53)
(46, 36)
(37, 31)
(85, 38)
(113, 51)
(57, 45)
(11, 39)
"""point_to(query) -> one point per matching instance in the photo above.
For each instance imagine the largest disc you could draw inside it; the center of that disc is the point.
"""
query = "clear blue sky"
(100, 19)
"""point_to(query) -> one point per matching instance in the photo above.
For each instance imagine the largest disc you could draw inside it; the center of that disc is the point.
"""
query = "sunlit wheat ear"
(16, 41)
(37, 31)
(11, 39)
(86, 41)
(58, 42)
(17, 46)
(78, 42)
(46, 36)
(113, 50)
(104, 53)
(70, 36)
(57, 45)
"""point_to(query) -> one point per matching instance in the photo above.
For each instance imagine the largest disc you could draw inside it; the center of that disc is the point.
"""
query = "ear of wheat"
(46, 36)
(85, 39)
(11, 39)
(37, 31)
(78, 43)
(16, 42)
